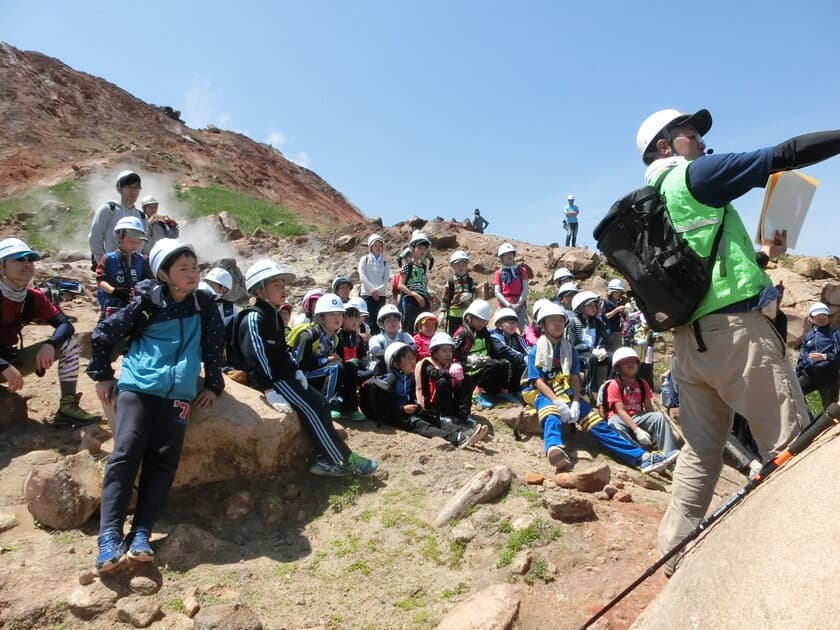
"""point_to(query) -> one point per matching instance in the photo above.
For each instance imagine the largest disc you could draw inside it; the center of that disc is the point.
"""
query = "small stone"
(623, 496)
(569, 508)
(549, 484)
(590, 479)
(521, 562)
(87, 602)
(7, 521)
(494, 607)
(346, 243)
(140, 612)
(191, 605)
(611, 490)
(227, 617)
(71, 549)
(86, 577)
(534, 479)
(142, 585)
(523, 521)
(551, 568)
(417, 472)
(424, 459)
(239, 505)
(602, 496)
(463, 532)
(617, 484)
(469, 466)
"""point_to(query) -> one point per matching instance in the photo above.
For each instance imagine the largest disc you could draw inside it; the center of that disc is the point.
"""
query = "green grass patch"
(538, 571)
(367, 515)
(346, 546)
(346, 497)
(536, 534)
(456, 553)
(410, 603)
(526, 492)
(251, 213)
(176, 604)
(814, 403)
(505, 527)
(421, 617)
(284, 569)
(361, 566)
(461, 588)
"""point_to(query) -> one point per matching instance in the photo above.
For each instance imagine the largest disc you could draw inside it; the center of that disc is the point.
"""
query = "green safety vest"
(735, 275)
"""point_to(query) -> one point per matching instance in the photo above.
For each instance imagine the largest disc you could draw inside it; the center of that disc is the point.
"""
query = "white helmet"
(818, 308)
(421, 318)
(616, 284)
(505, 248)
(385, 311)
(567, 287)
(583, 298)
(339, 281)
(622, 354)
(550, 309)
(651, 129)
(570, 197)
(392, 350)
(373, 238)
(440, 339)
(457, 256)
(538, 305)
(148, 200)
(329, 303)
(359, 304)
(562, 274)
(506, 313)
(133, 224)
(124, 175)
(220, 276)
(419, 238)
(480, 309)
(165, 249)
(15, 248)
(263, 270)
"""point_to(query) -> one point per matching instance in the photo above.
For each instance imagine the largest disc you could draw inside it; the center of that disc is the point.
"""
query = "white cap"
(418, 238)
(506, 313)
(440, 339)
(622, 354)
(550, 309)
(374, 238)
(458, 255)
(561, 273)
(132, 225)
(125, 175)
(385, 311)
(616, 284)
(567, 287)
(584, 297)
(392, 350)
(220, 276)
(165, 249)
(15, 248)
(329, 303)
(148, 200)
(358, 303)
(818, 308)
(263, 270)
(650, 130)
(422, 317)
(505, 248)
(480, 309)
(571, 197)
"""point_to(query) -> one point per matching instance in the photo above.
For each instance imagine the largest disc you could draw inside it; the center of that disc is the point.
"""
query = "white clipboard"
(787, 198)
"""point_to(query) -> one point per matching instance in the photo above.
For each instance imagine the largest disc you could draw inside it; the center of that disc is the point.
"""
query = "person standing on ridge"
(728, 357)
(479, 223)
(570, 221)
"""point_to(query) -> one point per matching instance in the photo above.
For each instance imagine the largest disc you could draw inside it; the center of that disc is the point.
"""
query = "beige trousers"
(743, 370)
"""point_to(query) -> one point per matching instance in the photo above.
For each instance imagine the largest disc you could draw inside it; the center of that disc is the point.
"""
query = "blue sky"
(436, 108)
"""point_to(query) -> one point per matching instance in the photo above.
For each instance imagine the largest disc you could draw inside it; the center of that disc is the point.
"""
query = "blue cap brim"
(20, 255)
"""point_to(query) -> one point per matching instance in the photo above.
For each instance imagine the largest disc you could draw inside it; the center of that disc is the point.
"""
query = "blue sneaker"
(657, 460)
(482, 401)
(111, 550)
(335, 414)
(323, 468)
(138, 546)
(361, 465)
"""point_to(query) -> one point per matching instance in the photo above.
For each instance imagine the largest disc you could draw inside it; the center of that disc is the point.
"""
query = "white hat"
(148, 200)
(440, 339)
(419, 238)
(818, 308)
(422, 317)
(622, 354)
(124, 175)
(133, 226)
(505, 248)
(263, 270)
(374, 238)
(567, 287)
(550, 309)
(651, 129)
(458, 255)
(616, 284)
(165, 249)
(329, 303)
(392, 350)
(15, 249)
(561, 273)
(480, 309)
(385, 311)
(571, 197)
(506, 313)
(220, 276)
(583, 298)
(358, 303)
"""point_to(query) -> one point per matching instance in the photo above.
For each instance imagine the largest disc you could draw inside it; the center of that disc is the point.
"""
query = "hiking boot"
(657, 460)
(483, 401)
(323, 468)
(557, 457)
(138, 546)
(362, 466)
(507, 397)
(111, 551)
(471, 436)
(70, 415)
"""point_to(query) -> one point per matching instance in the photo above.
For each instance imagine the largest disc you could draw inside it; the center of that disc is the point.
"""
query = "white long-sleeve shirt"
(374, 275)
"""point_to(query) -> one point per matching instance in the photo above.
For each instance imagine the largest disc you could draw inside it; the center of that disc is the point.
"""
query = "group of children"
(334, 360)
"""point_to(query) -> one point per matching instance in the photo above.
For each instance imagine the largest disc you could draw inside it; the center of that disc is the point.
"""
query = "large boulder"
(810, 268)
(239, 437)
(793, 535)
(64, 495)
(582, 262)
(442, 234)
(494, 608)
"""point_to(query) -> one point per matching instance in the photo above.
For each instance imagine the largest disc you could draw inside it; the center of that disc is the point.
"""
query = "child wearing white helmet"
(486, 359)
(614, 312)
(561, 276)
(217, 284)
(341, 286)
(158, 225)
(174, 329)
(506, 330)
(628, 405)
(510, 283)
(392, 399)
(458, 292)
(263, 354)
(425, 326)
(412, 284)
(101, 238)
(118, 271)
(587, 333)
(389, 319)
(443, 388)
(316, 350)
(551, 386)
(20, 305)
(374, 274)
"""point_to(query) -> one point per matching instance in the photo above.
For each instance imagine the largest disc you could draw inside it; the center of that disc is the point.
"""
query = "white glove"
(574, 411)
(600, 354)
(300, 377)
(278, 402)
(642, 436)
(563, 409)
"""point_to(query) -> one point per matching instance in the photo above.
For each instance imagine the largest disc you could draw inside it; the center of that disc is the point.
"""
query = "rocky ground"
(295, 551)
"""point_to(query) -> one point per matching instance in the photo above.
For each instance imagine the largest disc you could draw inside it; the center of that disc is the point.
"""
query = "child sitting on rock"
(552, 388)
(117, 272)
(458, 293)
(413, 281)
(389, 325)
(20, 305)
(442, 386)
(425, 326)
(510, 283)
(486, 359)
(392, 399)
(316, 350)
(353, 347)
(173, 329)
(262, 353)
(217, 284)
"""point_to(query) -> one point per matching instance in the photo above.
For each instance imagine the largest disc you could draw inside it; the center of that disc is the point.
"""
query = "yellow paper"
(787, 197)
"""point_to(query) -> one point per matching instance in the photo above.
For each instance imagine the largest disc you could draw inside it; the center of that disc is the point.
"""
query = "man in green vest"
(729, 357)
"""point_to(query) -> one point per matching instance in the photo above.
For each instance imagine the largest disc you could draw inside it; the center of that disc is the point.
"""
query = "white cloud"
(276, 138)
(203, 104)
(301, 158)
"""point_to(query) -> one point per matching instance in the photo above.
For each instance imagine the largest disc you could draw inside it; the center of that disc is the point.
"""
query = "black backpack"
(668, 278)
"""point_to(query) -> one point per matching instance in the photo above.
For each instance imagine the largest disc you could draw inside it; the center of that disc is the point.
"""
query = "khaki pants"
(743, 370)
